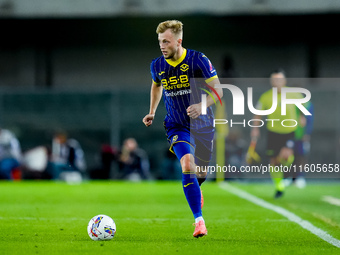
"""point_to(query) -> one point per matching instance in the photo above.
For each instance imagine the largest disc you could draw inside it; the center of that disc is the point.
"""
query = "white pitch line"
(39, 218)
(289, 215)
(331, 200)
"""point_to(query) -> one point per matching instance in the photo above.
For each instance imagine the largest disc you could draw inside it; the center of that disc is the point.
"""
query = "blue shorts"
(188, 141)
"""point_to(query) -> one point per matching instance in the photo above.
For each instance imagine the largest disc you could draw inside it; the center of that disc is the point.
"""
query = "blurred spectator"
(10, 155)
(108, 155)
(66, 156)
(134, 162)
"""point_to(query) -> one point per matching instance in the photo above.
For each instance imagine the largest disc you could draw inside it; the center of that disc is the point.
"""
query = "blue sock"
(192, 193)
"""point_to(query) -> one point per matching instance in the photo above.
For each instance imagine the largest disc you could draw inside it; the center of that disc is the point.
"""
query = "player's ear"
(179, 41)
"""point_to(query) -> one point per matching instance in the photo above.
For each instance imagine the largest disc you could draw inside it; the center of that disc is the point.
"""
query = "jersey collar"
(176, 62)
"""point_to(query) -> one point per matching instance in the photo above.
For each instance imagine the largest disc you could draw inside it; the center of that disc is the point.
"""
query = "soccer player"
(189, 132)
(280, 139)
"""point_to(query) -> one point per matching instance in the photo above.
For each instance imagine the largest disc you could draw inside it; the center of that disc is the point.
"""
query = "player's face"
(278, 80)
(168, 44)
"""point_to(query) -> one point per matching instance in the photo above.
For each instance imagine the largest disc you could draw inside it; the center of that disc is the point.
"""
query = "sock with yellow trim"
(192, 193)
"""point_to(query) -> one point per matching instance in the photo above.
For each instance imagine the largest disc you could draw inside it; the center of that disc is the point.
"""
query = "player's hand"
(147, 120)
(194, 111)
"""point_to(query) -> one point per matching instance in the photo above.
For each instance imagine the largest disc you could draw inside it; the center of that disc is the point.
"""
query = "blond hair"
(175, 25)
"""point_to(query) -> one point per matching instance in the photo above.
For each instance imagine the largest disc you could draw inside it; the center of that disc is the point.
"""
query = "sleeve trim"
(211, 79)
(155, 82)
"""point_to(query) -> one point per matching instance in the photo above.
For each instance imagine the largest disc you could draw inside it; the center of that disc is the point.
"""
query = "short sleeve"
(154, 73)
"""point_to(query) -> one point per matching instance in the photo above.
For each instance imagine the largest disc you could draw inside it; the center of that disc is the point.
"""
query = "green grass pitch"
(154, 218)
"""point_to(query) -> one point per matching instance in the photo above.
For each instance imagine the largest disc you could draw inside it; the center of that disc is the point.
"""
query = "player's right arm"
(155, 97)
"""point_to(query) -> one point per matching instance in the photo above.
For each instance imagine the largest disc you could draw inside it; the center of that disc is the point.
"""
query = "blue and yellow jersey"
(179, 91)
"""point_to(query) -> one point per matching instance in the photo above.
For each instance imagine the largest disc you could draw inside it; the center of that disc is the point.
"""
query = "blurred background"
(76, 72)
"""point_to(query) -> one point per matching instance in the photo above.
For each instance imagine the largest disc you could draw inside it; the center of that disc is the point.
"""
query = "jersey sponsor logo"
(175, 82)
(184, 67)
(177, 93)
(174, 139)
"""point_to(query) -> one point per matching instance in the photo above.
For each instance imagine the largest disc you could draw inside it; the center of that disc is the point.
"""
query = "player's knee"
(187, 164)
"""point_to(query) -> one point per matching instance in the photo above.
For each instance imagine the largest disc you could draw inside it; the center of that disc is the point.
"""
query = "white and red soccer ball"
(101, 227)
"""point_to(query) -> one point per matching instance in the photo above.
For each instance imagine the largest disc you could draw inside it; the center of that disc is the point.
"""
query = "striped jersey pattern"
(180, 90)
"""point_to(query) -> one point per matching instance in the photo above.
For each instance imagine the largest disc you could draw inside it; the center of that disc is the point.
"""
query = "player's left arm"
(219, 91)
(195, 110)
